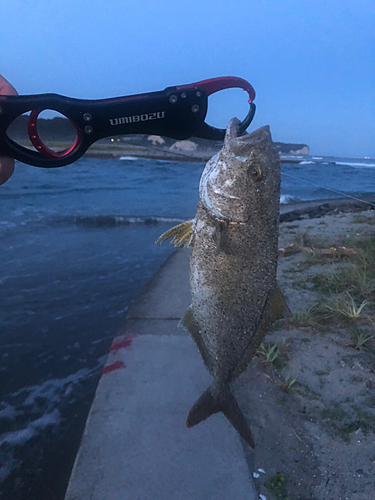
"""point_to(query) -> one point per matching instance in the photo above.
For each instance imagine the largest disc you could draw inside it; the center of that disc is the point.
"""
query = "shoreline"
(159, 155)
(314, 209)
(286, 413)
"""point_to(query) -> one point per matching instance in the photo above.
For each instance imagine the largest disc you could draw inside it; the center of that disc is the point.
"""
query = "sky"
(311, 62)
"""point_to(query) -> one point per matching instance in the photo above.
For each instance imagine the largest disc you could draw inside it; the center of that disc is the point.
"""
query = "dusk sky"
(311, 62)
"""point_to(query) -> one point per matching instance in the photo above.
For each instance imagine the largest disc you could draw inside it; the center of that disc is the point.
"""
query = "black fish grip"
(176, 112)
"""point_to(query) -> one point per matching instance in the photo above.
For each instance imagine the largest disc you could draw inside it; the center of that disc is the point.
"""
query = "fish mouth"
(225, 189)
(241, 145)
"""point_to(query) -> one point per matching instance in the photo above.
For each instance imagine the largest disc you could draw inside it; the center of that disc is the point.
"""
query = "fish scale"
(233, 264)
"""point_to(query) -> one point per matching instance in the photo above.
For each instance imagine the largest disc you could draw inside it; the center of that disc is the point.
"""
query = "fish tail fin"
(180, 234)
(212, 401)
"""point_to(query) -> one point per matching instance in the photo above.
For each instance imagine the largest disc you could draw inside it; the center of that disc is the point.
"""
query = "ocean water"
(77, 246)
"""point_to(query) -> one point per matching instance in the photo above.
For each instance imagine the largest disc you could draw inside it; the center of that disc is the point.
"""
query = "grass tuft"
(360, 339)
(306, 318)
(269, 351)
(287, 384)
(277, 485)
(345, 309)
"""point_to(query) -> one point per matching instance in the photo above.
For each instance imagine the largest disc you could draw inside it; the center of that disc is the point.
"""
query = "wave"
(288, 198)
(307, 163)
(20, 437)
(292, 157)
(355, 164)
(104, 221)
(130, 158)
(35, 409)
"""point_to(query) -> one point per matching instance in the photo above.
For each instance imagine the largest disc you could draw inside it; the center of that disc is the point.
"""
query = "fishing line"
(345, 195)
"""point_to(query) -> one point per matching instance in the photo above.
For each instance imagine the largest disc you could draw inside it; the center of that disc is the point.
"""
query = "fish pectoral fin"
(212, 402)
(180, 234)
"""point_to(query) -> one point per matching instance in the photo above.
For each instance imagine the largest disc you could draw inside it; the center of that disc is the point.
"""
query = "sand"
(313, 415)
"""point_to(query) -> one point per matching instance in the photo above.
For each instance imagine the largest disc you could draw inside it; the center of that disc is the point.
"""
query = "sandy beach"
(309, 395)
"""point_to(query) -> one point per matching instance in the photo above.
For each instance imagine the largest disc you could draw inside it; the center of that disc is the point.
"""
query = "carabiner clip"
(176, 112)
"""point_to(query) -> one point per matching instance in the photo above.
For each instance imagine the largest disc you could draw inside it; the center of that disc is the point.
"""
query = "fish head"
(242, 182)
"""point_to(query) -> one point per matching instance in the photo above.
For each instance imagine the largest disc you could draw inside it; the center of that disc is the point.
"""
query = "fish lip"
(226, 195)
(215, 212)
(240, 145)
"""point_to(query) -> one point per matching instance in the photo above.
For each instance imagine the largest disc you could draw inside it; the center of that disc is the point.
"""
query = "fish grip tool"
(176, 112)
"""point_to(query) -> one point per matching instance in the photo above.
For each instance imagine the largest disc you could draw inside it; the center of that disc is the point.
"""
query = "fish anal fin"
(278, 308)
(212, 402)
(190, 325)
(275, 308)
(180, 234)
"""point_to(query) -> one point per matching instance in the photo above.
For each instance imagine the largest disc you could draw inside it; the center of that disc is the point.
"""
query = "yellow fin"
(181, 234)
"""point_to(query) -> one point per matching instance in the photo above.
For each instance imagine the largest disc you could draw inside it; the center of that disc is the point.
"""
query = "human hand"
(6, 164)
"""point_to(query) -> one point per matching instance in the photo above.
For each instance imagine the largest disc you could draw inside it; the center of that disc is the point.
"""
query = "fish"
(233, 265)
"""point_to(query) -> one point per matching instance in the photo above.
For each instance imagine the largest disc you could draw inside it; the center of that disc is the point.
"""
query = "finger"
(6, 164)
(6, 168)
(6, 88)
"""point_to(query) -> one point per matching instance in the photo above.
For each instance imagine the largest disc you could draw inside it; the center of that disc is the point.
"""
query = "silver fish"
(233, 262)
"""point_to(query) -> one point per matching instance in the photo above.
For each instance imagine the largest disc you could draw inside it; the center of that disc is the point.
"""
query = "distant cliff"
(292, 149)
(59, 130)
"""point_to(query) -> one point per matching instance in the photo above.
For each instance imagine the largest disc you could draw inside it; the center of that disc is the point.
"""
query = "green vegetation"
(344, 309)
(287, 384)
(363, 219)
(274, 353)
(306, 318)
(277, 485)
(269, 351)
(342, 423)
(360, 339)
(358, 278)
(351, 279)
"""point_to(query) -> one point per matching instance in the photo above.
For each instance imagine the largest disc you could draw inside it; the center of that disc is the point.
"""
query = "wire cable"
(345, 195)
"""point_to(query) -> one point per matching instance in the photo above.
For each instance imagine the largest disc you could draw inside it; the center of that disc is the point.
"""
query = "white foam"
(291, 157)
(132, 158)
(287, 198)
(317, 157)
(307, 163)
(55, 389)
(354, 164)
(22, 436)
(9, 412)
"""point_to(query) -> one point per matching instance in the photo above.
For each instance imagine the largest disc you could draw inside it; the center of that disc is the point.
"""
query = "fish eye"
(255, 173)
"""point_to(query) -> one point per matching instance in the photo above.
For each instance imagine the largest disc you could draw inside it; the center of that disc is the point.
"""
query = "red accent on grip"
(37, 142)
(225, 82)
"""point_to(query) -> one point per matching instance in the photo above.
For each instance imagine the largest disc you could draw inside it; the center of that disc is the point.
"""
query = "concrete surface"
(136, 445)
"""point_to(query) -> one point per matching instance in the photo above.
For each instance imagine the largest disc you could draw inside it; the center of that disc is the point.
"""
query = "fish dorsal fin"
(189, 324)
(275, 308)
(180, 234)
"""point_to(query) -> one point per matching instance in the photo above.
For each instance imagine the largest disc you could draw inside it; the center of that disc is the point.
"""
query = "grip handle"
(173, 112)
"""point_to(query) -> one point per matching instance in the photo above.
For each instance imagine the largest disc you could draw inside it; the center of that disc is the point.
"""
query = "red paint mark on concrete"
(121, 343)
(117, 365)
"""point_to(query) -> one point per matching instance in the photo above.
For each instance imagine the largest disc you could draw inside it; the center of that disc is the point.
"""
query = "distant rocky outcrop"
(186, 146)
(292, 149)
(60, 130)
